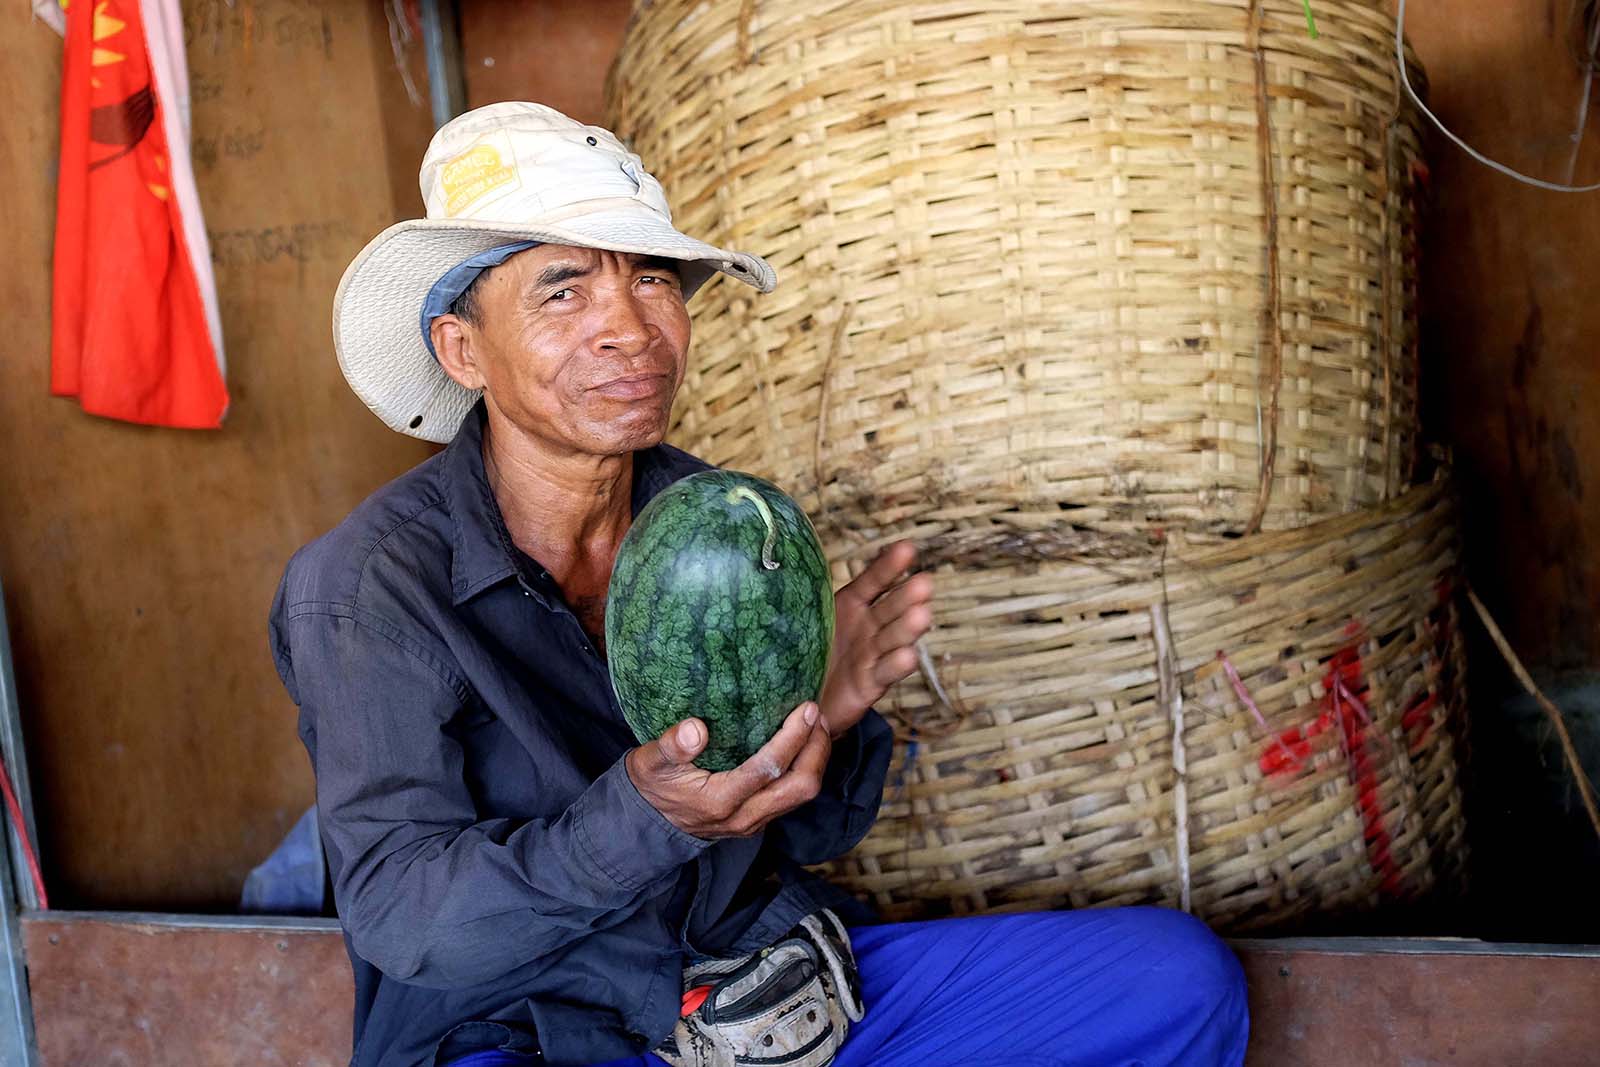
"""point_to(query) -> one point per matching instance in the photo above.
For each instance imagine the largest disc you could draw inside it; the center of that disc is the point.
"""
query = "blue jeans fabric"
(1127, 987)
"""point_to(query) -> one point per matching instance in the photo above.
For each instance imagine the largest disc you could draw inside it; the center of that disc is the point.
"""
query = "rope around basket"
(958, 709)
(824, 398)
(1273, 309)
(1167, 670)
(747, 52)
(1391, 129)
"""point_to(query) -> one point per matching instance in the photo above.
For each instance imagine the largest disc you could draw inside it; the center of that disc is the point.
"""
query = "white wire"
(1400, 59)
(1583, 105)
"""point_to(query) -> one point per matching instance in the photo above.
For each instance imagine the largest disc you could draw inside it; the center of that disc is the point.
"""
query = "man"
(517, 877)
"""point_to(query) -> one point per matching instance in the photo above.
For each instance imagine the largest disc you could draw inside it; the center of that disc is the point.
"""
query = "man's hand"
(878, 621)
(784, 774)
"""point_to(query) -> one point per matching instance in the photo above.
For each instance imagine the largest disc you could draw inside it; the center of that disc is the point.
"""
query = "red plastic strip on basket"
(1351, 716)
(1417, 714)
(1418, 720)
(1293, 761)
(1343, 692)
(15, 811)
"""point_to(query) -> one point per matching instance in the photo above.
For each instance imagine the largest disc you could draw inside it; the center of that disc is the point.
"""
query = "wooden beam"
(195, 991)
(1332, 1003)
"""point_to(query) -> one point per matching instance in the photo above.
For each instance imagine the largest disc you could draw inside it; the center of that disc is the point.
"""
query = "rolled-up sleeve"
(847, 804)
(429, 893)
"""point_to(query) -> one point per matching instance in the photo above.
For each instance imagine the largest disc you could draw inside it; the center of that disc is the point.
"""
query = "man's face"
(581, 349)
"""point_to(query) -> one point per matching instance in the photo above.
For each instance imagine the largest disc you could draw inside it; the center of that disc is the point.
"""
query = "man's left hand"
(878, 619)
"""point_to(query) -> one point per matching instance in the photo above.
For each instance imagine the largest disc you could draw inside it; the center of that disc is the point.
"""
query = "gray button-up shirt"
(495, 870)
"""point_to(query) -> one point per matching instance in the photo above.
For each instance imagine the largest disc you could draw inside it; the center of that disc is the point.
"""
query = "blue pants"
(1129, 987)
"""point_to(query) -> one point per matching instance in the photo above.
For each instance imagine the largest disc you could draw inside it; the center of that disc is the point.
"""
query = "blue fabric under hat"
(448, 289)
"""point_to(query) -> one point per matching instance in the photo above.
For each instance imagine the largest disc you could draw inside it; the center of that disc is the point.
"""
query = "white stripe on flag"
(169, 67)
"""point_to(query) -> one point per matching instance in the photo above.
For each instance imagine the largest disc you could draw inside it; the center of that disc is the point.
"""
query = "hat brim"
(380, 297)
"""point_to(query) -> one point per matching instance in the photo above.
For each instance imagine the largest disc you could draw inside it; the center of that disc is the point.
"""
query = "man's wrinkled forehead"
(550, 264)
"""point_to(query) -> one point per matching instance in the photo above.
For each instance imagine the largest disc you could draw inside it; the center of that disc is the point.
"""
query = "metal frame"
(294, 924)
(1336, 946)
(1410, 946)
(441, 44)
(16, 760)
(16, 1027)
(16, 1011)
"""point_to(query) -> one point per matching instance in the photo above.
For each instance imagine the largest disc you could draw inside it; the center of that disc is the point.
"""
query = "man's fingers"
(884, 571)
(774, 757)
(666, 764)
(895, 666)
(799, 784)
(784, 774)
(904, 630)
(681, 743)
(914, 592)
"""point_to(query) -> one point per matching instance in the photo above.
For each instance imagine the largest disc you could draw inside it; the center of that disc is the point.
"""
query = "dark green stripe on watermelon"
(698, 627)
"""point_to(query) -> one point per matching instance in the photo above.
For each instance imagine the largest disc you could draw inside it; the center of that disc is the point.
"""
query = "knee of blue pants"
(1090, 988)
(1198, 969)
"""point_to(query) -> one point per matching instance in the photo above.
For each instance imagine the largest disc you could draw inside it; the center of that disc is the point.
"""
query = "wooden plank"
(1435, 1006)
(159, 990)
(205, 991)
(556, 52)
(139, 563)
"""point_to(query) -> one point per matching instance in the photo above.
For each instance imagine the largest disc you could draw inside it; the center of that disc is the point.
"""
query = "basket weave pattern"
(1050, 782)
(1023, 247)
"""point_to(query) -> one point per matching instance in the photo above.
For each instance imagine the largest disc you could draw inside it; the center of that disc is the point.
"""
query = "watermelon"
(720, 608)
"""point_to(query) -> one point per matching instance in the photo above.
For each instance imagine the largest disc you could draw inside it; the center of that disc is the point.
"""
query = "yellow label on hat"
(473, 174)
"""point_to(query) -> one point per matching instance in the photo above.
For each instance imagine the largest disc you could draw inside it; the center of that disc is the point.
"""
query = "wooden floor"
(1361, 1003)
(186, 991)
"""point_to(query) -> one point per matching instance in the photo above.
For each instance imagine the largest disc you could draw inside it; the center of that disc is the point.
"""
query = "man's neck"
(568, 511)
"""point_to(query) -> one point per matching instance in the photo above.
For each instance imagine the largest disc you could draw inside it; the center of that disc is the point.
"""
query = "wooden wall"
(139, 563)
(1511, 377)
(555, 52)
(1511, 323)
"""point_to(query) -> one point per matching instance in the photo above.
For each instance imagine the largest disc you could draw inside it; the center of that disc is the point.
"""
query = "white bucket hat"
(509, 174)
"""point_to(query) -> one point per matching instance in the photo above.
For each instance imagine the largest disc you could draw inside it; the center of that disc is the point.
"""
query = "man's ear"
(454, 342)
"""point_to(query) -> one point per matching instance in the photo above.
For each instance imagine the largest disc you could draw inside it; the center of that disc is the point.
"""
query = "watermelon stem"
(744, 492)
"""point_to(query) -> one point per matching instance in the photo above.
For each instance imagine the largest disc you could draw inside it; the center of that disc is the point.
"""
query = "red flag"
(131, 336)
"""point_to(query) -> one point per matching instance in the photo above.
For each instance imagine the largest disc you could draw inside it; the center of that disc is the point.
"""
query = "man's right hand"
(783, 775)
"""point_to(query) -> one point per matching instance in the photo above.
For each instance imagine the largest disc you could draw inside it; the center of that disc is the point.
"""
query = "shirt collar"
(483, 553)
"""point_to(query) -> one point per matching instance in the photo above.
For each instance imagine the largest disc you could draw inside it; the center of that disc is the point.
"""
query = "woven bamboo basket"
(1106, 262)
(1314, 676)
